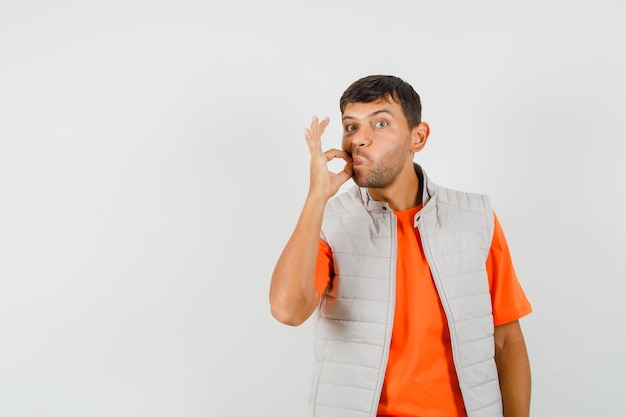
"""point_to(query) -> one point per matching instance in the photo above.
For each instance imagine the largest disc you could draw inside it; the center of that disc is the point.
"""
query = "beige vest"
(355, 315)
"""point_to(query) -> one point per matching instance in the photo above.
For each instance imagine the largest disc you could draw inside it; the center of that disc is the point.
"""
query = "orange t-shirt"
(420, 379)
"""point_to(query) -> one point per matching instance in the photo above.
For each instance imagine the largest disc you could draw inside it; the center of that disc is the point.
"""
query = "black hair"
(373, 87)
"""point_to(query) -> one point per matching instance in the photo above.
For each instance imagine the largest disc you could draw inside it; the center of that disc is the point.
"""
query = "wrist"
(316, 199)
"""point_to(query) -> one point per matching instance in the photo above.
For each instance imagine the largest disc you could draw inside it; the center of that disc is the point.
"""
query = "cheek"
(346, 144)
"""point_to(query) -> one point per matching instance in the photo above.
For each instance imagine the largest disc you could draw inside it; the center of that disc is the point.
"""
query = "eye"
(381, 123)
(350, 128)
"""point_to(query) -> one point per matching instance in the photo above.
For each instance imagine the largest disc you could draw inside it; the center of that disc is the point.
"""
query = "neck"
(404, 193)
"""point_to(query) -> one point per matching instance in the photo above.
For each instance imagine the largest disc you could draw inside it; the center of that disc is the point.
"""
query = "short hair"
(374, 87)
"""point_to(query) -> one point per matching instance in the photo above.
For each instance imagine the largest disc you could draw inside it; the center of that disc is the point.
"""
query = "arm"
(293, 296)
(513, 369)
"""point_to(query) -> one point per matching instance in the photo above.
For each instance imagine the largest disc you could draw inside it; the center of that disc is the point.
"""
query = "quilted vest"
(354, 319)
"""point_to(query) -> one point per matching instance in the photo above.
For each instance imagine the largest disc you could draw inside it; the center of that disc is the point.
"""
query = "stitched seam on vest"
(351, 364)
(344, 408)
(478, 363)
(351, 321)
(473, 318)
(466, 229)
(478, 211)
(356, 298)
(478, 294)
(473, 341)
(447, 255)
(363, 256)
(360, 277)
(482, 269)
(346, 386)
(486, 406)
(484, 383)
(346, 342)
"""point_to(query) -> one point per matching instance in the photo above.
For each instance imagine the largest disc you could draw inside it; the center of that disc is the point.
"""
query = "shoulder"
(461, 200)
(343, 203)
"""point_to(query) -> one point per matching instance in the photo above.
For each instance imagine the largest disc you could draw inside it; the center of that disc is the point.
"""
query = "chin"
(358, 180)
(362, 182)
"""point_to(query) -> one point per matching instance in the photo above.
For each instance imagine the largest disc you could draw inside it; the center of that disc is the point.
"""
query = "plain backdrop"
(153, 165)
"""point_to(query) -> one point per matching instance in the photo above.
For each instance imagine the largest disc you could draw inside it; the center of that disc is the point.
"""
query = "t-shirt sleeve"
(324, 268)
(507, 297)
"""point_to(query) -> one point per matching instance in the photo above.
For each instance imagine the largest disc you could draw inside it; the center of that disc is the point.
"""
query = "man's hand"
(324, 183)
(293, 295)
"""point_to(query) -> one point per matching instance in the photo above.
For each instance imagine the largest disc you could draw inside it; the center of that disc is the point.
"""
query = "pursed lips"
(357, 159)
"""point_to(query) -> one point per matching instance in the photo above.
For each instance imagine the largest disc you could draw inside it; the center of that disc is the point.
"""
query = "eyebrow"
(377, 112)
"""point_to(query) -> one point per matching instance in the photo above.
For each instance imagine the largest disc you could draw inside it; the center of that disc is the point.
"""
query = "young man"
(418, 303)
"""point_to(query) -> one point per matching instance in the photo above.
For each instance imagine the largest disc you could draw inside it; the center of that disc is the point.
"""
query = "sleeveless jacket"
(355, 315)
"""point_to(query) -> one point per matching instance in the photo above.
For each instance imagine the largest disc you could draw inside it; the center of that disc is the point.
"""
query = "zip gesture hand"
(324, 183)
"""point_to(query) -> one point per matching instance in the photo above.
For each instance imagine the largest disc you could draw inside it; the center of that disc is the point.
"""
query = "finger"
(337, 153)
(314, 124)
(322, 125)
(317, 127)
(314, 133)
(346, 174)
(309, 132)
(312, 140)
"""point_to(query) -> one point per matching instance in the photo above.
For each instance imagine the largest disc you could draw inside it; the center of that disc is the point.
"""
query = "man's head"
(374, 87)
(382, 130)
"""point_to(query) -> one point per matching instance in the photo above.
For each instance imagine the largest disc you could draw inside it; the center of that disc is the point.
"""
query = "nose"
(362, 137)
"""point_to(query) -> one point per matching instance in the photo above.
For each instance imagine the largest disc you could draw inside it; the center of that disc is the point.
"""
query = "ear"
(419, 136)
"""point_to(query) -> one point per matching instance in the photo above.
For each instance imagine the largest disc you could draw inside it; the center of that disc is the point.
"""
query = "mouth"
(357, 161)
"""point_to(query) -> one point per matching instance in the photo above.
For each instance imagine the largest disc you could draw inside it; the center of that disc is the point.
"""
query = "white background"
(152, 166)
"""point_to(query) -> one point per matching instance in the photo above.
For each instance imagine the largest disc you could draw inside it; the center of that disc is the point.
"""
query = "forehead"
(360, 110)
